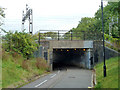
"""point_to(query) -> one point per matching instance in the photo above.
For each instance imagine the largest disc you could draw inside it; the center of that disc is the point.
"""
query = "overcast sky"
(48, 14)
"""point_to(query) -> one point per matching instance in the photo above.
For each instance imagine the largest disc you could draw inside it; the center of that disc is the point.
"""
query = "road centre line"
(41, 83)
(47, 80)
(59, 71)
(53, 76)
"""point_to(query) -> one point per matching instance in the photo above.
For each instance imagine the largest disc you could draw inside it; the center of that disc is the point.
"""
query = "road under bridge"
(63, 49)
(63, 54)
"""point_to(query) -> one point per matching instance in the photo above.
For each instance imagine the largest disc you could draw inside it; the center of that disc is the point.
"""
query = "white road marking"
(41, 83)
(53, 76)
(47, 80)
(89, 87)
(59, 71)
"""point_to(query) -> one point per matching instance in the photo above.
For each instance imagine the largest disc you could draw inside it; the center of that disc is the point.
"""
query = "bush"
(41, 63)
(19, 42)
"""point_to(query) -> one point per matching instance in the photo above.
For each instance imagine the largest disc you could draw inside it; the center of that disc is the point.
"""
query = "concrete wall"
(71, 44)
(83, 61)
(110, 53)
(98, 52)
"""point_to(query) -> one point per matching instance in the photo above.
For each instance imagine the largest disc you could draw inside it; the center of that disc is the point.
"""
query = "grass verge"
(111, 80)
(16, 70)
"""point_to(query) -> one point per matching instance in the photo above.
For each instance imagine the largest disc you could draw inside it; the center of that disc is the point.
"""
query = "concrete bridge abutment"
(81, 53)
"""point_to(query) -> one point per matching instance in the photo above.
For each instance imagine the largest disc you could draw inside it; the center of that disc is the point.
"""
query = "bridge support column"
(50, 59)
(88, 58)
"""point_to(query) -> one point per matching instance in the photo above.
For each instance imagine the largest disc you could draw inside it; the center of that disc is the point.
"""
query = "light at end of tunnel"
(56, 49)
(75, 49)
(67, 50)
(83, 49)
(61, 50)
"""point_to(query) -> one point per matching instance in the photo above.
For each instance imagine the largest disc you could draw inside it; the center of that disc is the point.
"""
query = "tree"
(110, 13)
(91, 28)
(86, 30)
(19, 42)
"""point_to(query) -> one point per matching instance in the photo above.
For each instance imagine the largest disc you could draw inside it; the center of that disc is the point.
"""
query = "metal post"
(29, 24)
(31, 21)
(26, 7)
(29, 15)
(104, 67)
(22, 26)
(22, 22)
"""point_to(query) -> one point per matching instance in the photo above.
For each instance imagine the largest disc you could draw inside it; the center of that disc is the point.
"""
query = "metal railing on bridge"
(69, 35)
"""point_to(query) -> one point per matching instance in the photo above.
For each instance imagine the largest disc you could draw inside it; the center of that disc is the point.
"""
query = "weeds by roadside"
(16, 69)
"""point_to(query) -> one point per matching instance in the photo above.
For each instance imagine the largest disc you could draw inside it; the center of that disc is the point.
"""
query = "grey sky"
(48, 14)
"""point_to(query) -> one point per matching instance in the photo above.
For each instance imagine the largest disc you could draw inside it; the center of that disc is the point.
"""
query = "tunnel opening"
(68, 58)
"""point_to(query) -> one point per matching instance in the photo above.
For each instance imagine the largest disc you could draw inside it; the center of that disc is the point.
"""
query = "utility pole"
(104, 67)
(29, 16)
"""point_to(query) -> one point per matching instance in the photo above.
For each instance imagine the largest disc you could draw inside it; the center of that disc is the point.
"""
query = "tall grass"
(17, 70)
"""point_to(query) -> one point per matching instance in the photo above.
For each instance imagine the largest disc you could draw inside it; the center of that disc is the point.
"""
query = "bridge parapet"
(71, 44)
(68, 35)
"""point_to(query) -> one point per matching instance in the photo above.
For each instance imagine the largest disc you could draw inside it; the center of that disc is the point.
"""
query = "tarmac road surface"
(70, 78)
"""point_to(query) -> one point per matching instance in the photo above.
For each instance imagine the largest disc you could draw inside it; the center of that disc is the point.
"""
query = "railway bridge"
(63, 52)
(68, 53)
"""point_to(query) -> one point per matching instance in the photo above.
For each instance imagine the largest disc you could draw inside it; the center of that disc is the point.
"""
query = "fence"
(69, 35)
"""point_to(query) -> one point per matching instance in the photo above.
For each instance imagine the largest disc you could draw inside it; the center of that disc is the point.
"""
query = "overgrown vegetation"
(111, 81)
(18, 64)
(113, 43)
(16, 70)
(91, 28)
(19, 42)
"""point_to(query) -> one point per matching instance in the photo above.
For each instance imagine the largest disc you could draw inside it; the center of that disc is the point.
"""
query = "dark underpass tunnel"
(67, 58)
